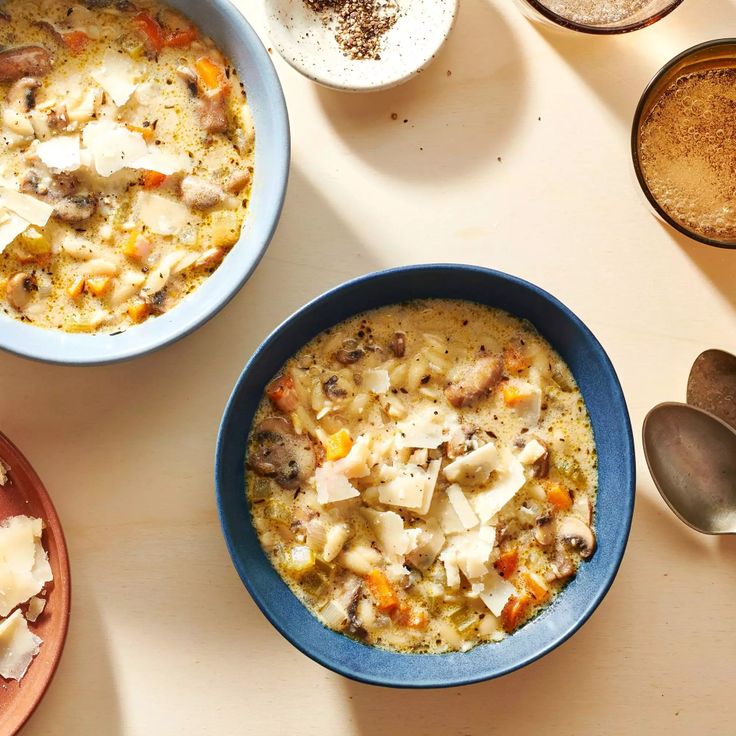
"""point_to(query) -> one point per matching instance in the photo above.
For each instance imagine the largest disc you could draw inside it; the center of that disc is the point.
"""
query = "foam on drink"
(687, 152)
(596, 12)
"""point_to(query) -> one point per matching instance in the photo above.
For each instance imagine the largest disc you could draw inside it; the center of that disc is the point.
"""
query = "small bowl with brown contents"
(359, 45)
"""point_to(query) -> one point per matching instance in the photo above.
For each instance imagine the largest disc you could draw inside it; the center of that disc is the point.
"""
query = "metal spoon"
(691, 455)
(712, 384)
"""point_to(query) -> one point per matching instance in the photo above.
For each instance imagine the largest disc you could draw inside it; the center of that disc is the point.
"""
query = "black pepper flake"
(358, 25)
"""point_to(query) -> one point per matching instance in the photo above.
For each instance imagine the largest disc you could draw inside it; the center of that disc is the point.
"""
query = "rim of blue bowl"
(234, 435)
(227, 26)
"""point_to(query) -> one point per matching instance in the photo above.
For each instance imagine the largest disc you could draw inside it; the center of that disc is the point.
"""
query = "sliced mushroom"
(349, 353)
(474, 380)
(22, 94)
(544, 530)
(189, 78)
(355, 626)
(333, 389)
(540, 467)
(281, 454)
(398, 344)
(51, 29)
(575, 534)
(199, 193)
(282, 393)
(213, 111)
(19, 290)
(24, 61)
(238, 180)
(561, 567)
(76, 208)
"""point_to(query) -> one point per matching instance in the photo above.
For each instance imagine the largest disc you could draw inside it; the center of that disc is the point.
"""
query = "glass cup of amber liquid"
(683, 143)
(600, 17)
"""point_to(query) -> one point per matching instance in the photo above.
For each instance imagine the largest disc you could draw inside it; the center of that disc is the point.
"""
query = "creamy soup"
(423, 476)
(126, 157)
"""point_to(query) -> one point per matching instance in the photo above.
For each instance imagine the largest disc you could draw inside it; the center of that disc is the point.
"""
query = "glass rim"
(571, 25)
(635, 128)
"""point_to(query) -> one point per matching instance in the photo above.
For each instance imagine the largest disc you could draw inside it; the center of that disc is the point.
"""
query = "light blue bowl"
(220, 20)
(603, 396)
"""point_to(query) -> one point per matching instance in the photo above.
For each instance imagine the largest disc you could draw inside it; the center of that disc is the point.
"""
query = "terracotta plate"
(25, 494)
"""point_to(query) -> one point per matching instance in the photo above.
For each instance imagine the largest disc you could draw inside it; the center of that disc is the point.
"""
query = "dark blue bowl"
(602, 392)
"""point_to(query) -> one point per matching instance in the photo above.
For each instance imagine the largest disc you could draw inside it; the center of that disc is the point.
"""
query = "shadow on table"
(529, 701)
(617, 68)
(452, 117)
(718, 264)
(83, 697)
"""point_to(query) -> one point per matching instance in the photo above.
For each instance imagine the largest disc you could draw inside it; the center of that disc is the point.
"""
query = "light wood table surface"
(511, 151)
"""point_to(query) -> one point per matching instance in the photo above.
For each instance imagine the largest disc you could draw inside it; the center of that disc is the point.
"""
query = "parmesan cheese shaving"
(496, 592)
(433, 472)
(32, 210)
(24, 566)
(473, 550)
(532, 451)
(475, 466)
(332, 486)
(406, 488)
(113, 146)
(527, 401)
(508, 483)
(462, 507)
(376, 381)
(11, 226)
(163, 161)
(118, 76)
(161, 215)
(394, 540)
(18, 647)
(61, 153)
(35, 608)
(426, 427)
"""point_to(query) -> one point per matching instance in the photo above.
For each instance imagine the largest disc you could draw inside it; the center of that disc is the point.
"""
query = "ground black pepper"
(359, 25)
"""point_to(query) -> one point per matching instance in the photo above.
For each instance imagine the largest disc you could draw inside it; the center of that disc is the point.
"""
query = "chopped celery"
(278, 511)
(300, 559)
(569, 467)
(260, 489)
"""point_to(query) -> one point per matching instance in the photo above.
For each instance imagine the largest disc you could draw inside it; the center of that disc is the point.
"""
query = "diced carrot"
(76, 41)
(558, 495)
(514, 360)
(535, 585)
(98, 285)
(413, 618)
(506, 563)
(182, 38)
(338, 445)
(153, 179)
(282, 394)
(136, 246)
(514, 611)
(212, 74)
(512, 395)
(150, 29)
(139, 310)
(76, 287)
(147, 132)
(382, 590)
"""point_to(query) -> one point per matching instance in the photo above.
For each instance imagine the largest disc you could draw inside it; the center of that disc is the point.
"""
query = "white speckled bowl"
(301, 37)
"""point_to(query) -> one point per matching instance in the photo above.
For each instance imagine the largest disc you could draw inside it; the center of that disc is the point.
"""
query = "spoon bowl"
(712, 384)
(691, 456)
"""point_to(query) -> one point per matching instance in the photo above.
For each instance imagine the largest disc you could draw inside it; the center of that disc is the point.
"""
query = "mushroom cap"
(576, 534)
